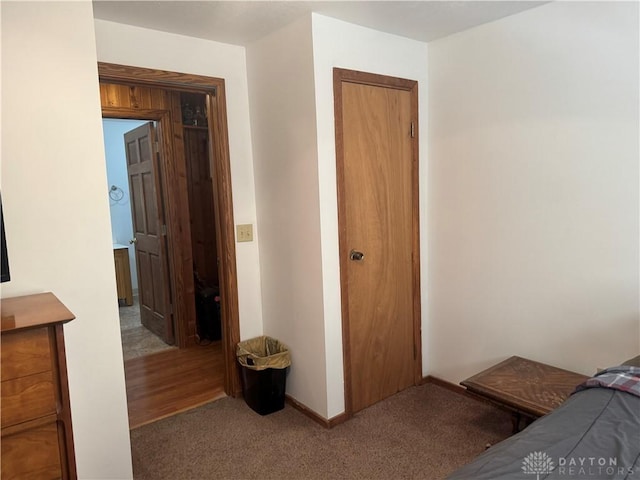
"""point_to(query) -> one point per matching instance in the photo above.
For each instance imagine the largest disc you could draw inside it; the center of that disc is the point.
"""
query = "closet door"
(378, 237)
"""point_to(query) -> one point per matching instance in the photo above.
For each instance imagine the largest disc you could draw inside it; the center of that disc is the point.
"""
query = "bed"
(594, 434)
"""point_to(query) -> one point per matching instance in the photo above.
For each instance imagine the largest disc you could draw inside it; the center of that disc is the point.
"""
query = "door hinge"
(156, 147)
(163, 230)
(413, 130)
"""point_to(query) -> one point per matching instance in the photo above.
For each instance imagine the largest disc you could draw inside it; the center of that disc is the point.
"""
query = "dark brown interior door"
(149, 230)
(201, 209)
(377, 241)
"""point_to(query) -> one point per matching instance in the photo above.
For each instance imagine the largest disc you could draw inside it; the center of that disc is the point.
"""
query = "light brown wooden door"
(149, 230)
(378, 227)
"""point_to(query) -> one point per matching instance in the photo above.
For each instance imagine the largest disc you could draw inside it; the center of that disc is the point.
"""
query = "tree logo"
(537, 463)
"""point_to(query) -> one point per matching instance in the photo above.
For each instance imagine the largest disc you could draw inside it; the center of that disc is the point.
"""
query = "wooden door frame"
(341, 75)
(179, 238)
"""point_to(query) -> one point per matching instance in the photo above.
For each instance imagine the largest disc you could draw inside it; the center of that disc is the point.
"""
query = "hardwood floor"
(170, 382)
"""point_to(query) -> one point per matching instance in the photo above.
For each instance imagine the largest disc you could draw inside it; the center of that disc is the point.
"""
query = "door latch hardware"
(356, 256)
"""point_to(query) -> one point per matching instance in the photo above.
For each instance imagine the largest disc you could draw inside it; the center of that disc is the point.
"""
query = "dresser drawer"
(27, 398)
(24, 353)
(32, 453)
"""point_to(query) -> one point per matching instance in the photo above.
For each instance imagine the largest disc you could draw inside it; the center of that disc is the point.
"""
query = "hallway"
(137, 340)
(172, 381)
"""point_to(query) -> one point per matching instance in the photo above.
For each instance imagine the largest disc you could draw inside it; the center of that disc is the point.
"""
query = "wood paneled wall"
(139, 97)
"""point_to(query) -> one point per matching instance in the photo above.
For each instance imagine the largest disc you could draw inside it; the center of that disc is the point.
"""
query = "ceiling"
(242, 22)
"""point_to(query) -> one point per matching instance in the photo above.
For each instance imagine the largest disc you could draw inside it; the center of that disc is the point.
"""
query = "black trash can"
(264, 361)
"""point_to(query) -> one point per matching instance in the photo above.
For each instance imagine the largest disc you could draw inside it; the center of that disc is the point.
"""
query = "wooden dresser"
(37, 440)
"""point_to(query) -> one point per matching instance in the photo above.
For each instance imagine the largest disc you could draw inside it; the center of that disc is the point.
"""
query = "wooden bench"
(526, 388)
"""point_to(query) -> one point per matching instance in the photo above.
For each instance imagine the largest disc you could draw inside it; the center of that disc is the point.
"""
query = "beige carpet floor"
(424, 432)
(137, 340)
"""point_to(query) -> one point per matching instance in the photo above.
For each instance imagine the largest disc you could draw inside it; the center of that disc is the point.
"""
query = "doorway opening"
(137, 339)
(200, 192)
(151, 359)
(135, 92)
(191, 156)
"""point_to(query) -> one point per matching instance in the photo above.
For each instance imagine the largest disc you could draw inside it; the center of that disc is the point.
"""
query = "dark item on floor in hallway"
(208, 314)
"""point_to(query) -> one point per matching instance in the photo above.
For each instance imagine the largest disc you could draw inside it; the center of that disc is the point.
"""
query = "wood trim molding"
(111, 72)
(176, 208)
(330, 423)
(343, 417)
(131, 113)
(415, 226)
(341, 75)
(214, 88)
(338, 75)
(374, 79)
(338, 419)
(459, 389)
(226, 244)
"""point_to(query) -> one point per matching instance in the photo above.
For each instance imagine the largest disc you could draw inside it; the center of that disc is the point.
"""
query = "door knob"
(133, 241)
(356, 256)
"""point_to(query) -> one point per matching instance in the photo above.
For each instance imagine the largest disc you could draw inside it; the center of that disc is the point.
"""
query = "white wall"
(120, 210)
(280, 68)
(56, 212)
(533, 181)
(127, 45)
(340, 44)
(291, 92)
